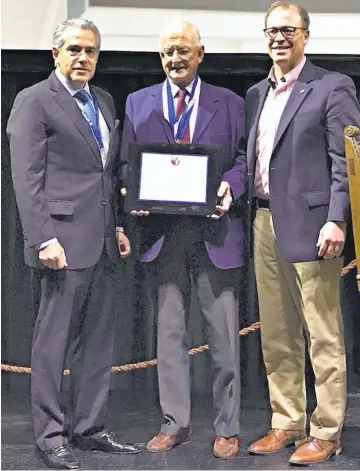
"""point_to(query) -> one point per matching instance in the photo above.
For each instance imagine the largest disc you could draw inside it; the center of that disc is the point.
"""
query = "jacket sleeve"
(28, 139)
(236, 175)
(342, 110)
(128, 136)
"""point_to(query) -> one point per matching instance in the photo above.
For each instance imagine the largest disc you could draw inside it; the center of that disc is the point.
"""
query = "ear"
(55, 54)
(201, 54)
(307, 36)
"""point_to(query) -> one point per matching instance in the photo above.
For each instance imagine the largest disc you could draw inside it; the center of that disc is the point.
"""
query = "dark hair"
(302, 12)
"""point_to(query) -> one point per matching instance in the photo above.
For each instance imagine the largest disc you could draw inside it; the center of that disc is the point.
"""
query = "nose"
(176, 56)
(82, 56)
(279, 37)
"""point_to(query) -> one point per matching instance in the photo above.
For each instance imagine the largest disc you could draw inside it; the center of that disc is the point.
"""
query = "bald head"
(181, 51)
(180, 27)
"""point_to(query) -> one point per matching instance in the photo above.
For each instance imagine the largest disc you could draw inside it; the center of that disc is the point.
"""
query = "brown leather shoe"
(277, 439)
(164, 442)
(225, 448)
(315, 451)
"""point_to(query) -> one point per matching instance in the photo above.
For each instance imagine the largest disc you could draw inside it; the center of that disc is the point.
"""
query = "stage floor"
(136, 417)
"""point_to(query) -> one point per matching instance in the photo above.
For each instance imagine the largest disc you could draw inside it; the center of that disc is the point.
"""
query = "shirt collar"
(174, 88)
(69, 84)
(288, 78)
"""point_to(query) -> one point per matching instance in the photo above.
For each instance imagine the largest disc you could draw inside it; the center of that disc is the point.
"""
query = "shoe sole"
(297, 443)
(39, 457)
(337, 452)
(92, 448)
(226, 457)
(170, 448)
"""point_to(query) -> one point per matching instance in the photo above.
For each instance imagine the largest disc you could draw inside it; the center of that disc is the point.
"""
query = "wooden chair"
(352, 149)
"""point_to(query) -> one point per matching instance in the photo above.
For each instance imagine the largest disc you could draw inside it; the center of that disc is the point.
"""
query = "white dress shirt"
(104, 130)
(174, 90)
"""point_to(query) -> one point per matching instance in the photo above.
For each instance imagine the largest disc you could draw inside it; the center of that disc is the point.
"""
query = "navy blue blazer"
(307, 175)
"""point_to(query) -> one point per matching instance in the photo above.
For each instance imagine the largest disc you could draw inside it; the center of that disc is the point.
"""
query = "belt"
(261, 203)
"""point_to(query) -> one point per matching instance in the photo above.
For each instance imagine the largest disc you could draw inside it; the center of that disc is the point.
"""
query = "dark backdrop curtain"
(121, 73)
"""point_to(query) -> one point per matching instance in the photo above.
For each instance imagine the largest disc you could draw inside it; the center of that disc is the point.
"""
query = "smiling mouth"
(281, 48)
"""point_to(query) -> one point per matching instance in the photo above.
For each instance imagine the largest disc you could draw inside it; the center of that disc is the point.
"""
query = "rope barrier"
(146, 364)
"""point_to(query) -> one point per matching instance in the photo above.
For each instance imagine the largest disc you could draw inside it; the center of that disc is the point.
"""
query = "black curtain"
(121, 73)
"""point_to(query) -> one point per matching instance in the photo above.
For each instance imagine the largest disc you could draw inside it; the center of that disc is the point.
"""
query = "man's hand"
(134, 213)
(331, 239)
(53, 256)
(123, 244)
(225, 202)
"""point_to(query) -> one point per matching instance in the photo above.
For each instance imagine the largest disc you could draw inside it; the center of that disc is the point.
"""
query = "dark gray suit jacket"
(61, 187)
(307, 174)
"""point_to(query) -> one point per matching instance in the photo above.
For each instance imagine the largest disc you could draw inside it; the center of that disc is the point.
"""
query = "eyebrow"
(77, 46)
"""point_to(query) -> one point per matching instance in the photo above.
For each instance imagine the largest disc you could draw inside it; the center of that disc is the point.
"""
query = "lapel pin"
(302, 90)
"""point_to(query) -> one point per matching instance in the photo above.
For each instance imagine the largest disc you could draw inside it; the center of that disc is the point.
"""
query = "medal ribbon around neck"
(183, 120)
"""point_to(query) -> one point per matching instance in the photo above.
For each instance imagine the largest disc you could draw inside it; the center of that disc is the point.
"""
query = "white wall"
(28, 24)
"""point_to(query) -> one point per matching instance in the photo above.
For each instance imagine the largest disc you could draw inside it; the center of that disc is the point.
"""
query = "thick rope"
(146, 364)
(133, 366)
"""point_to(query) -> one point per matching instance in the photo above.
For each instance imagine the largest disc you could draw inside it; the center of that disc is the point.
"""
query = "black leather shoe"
(60, 457)
(106, 442)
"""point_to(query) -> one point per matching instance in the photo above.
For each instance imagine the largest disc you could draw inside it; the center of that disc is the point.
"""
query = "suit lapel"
(105, 110)
(205, 112)
(262, 93)
(300, 91)
(159, 113)
(70, 107)
(298, 95)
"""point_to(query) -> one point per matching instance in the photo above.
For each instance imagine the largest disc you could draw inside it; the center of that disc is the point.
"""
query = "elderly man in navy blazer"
(64, 144)
(209, 249)
(298, 185)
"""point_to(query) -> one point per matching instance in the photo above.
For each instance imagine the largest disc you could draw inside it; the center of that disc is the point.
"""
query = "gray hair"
(81, 23)
(180, 25)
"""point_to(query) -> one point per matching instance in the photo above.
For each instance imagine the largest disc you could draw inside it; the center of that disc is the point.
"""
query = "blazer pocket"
(61, 207)
(318, 198)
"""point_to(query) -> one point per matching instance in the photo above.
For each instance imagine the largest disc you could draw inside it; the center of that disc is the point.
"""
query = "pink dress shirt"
(278, 95)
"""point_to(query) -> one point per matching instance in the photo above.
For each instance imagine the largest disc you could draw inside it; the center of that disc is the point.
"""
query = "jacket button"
(103, 202)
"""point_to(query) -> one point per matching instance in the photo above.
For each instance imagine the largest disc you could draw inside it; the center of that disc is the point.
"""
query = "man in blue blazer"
(300, 204)
(209, 249)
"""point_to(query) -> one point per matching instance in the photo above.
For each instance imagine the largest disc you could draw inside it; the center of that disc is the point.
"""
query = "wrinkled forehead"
(284, 17)
(179, 38)
(78, 36)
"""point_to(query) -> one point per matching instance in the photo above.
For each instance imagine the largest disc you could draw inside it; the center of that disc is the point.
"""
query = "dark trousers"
(182, 257)
(75, 312)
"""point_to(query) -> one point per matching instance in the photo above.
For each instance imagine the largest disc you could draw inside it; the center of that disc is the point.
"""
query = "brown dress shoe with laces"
(164, 442)
(277, 439)
(315, 451)
(225, 448)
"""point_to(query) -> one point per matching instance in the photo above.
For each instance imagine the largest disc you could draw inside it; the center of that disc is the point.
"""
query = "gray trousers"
(75, 312)
(183, 256)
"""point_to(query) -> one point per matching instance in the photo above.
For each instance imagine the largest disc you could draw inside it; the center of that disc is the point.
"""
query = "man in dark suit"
(210, 249)
(64, 148)
(299, 189)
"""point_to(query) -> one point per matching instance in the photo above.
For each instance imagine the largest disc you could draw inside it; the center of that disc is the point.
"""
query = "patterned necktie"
(90, 114)
(181, 105)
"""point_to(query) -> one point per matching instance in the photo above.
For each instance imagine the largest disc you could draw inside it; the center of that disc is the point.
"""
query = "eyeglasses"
(286, 31)
(171, 53)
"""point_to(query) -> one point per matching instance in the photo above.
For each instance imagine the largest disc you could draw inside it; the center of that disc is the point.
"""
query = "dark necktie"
(90, 114)
(181, 105)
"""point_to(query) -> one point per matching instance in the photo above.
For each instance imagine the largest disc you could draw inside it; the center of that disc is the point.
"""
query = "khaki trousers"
(295, 298)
